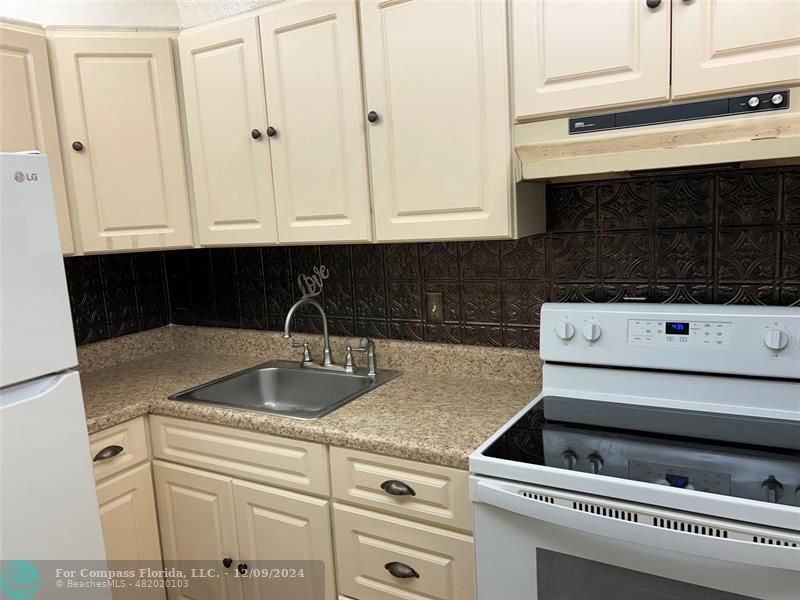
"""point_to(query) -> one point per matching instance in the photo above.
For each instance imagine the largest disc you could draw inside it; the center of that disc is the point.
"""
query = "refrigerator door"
(48, 504)
(35, 321)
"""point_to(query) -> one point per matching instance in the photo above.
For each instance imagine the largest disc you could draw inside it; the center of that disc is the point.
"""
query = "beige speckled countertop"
(448, 400)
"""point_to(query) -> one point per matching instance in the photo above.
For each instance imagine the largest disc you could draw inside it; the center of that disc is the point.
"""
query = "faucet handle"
(349, 367)
(306, 352)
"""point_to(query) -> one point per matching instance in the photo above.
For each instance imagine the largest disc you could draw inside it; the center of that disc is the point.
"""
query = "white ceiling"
(125, 13)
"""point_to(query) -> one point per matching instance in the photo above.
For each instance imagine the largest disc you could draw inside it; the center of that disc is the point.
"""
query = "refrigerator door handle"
(28, 390)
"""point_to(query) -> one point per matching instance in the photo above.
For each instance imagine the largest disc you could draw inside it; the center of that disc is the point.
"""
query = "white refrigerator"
(48, 504)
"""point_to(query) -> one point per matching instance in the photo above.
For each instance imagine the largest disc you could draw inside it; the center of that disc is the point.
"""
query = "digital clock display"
(677, 328)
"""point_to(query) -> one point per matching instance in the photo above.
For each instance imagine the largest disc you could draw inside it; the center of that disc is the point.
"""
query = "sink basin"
(285, 388)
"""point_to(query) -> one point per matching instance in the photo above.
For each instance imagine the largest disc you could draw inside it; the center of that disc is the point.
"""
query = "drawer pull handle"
(242, 568)
(108, 452)
(227, 562)
(397, 488)
(400, 570)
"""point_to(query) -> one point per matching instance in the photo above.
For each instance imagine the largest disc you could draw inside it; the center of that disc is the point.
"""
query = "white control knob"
(775, 339)
(776, 99)
(592, 332)
(753, 101)
(565, 330)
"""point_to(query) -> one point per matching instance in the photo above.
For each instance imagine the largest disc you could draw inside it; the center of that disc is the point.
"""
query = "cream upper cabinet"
(226, 119)
(580, 54)
(276, 525)
(195, 511)
(728, 45)
(440, 148)
(27, 112)
(120, 131)
(130, 527)
(314, 101)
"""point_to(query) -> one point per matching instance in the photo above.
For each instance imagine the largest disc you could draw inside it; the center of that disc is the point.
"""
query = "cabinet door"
(116, 97)
(27, 112)
(195, 509)
(130, 528)
(728, 45)
(314, 100)
(226, 118)
(572, 55)
(440, 150)
(287, 530)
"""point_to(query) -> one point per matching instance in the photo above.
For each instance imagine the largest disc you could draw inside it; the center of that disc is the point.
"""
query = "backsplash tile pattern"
(730, 236)
(116, 294)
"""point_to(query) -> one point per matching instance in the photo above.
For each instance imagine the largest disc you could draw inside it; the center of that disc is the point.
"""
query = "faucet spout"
(326, 353)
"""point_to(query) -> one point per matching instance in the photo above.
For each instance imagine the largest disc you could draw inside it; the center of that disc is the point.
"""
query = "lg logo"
(21, 177)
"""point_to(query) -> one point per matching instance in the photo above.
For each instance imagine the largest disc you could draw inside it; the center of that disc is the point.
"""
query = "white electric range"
(660, 461)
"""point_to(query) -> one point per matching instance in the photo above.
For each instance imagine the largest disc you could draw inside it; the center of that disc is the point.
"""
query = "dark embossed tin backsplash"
(728, 236)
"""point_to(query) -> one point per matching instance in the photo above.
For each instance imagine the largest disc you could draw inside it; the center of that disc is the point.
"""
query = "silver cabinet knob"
(753, 101)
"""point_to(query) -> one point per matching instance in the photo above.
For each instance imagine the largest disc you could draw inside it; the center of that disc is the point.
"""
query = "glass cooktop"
(744, 457)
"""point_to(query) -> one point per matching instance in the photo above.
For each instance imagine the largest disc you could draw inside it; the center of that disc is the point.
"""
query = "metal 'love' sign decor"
(311, 285)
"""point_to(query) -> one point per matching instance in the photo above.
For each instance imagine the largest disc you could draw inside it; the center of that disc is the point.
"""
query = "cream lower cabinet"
(405, 554)
(588, 54)
(230, 499)
(117, 110)
(207, 518)
(27, 110)
(127, 504)
(436, 78)
(729, 45)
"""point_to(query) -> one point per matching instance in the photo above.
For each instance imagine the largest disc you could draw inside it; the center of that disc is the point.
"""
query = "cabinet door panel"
(436, 72)
(195, 509)
(313, 84)
(726, 45)
(224, 96)
(130, 527)
(579, 54)
(117, 97)
(278, 525)
(27, 111)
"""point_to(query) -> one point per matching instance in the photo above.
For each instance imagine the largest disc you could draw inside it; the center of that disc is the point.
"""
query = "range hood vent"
(709, 132)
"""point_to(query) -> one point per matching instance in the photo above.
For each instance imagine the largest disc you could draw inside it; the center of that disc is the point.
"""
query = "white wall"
(94, 13)
(125, 13)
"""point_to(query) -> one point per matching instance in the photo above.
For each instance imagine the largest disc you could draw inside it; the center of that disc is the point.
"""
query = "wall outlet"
(434, 307)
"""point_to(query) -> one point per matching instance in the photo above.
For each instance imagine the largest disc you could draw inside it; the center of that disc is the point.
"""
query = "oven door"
(537, 543)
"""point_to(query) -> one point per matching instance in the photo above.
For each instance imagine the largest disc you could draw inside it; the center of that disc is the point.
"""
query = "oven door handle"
(507, 497)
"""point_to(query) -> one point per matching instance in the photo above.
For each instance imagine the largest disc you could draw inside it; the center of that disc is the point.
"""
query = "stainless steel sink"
(284, 388)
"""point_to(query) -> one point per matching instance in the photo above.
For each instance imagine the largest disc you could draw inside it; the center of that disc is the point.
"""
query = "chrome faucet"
(327, 361)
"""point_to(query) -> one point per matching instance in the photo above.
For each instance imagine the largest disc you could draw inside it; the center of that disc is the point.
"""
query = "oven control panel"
(740, 340)
(699, 334)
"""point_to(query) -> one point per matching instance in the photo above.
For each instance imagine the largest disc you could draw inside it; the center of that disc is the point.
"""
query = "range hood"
(719, 131)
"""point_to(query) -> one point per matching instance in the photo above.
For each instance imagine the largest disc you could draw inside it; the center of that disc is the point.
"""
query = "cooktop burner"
(640, 450)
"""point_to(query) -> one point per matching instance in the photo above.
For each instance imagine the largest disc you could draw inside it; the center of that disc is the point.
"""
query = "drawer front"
(440, 494)
(373, 551)
(130, 436)
(292, 464)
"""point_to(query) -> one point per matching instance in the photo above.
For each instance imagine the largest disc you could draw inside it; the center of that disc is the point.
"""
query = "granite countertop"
(429, 417)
